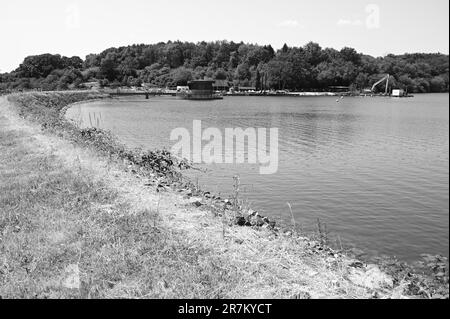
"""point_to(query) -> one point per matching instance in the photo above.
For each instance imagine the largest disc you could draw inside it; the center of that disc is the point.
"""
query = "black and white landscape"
(206, 150)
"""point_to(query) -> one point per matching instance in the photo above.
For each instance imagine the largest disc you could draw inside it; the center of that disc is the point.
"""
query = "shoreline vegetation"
(234, 67)
(84, 217)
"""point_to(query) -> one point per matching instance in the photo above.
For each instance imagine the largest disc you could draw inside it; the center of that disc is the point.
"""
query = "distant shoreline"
(152, 93)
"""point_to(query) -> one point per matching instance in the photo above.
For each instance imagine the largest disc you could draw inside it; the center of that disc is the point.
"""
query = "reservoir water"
(374, 170)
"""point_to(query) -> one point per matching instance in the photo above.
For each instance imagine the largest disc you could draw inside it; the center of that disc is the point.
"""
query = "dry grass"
(53, 217)
(64, 207)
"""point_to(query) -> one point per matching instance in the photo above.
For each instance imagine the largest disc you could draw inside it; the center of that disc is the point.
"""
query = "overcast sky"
(80, 27)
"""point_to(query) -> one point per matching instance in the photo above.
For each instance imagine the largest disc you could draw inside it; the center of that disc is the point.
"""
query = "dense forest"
(310, 67)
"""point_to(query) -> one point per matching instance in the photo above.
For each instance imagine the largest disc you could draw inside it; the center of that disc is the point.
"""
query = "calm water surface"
(375, 170)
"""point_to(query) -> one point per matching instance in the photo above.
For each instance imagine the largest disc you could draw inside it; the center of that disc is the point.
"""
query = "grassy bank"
(83, 217)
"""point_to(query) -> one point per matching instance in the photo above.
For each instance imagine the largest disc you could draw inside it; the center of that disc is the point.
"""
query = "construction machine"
(384, 79)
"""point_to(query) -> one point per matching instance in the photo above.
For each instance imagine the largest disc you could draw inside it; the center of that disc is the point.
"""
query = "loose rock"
(197, 202)
(371, 277)
(72, 277)
(240, 221)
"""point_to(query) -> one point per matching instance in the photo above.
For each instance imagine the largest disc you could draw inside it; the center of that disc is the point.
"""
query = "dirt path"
(101, 229)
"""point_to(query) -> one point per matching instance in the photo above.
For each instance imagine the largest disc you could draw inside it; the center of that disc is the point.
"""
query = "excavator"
(386, 78)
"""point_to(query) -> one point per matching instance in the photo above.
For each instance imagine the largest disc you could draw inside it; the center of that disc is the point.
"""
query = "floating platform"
(199, 97)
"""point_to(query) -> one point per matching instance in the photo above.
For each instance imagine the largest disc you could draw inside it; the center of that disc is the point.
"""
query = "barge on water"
(199, 90)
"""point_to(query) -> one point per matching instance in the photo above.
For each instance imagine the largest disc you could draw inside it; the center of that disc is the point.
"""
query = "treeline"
(175, 63)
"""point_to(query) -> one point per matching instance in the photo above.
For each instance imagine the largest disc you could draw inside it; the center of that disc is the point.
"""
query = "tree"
(181, 76)
(243, 72)
(108, 67)
(437, 84)
(221, 74)
(279, 73)
(350, 55)
(258, 83)
(40, 66)
(362, 81)
(313, 53)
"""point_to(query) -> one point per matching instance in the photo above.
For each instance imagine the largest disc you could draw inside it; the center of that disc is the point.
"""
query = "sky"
(81, 27)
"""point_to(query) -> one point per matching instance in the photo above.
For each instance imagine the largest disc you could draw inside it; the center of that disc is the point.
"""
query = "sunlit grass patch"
(55, 219)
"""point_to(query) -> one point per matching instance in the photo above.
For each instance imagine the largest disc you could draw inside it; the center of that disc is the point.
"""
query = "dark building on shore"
(201, 90)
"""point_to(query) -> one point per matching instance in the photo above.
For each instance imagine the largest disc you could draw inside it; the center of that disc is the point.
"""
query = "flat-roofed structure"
(201, 90)
(247, 88)
(398, 93)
